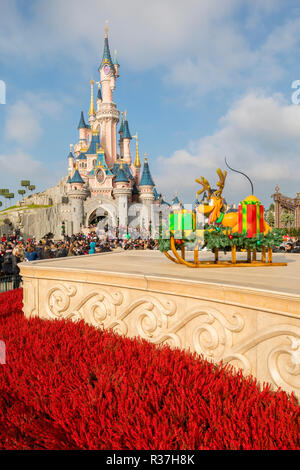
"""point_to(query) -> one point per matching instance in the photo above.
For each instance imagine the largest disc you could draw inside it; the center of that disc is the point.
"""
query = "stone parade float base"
(247, 318)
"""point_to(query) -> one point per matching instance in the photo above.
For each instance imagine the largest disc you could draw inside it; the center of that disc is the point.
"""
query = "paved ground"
(275, 278)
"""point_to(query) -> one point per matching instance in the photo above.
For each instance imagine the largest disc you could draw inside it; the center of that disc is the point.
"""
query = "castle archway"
(103, 213)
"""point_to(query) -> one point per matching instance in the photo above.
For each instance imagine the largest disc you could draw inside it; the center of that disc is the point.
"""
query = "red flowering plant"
(68, 385)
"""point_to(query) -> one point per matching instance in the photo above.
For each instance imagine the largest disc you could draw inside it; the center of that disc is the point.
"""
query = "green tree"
(270, 219)
(3, 192)
(287, 218)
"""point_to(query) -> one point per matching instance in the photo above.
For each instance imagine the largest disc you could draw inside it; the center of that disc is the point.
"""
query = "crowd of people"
(14, 249)
(292, 245)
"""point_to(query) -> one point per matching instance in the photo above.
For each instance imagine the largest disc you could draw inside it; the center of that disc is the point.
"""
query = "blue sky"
(199, 80)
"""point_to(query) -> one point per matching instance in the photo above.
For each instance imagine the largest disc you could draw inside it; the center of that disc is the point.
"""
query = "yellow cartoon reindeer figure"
(213, 207)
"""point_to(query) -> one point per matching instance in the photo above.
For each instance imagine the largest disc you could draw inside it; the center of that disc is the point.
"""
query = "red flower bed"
(70, 386)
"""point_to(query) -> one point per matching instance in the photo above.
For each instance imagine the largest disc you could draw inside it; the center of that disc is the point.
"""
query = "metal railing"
(10, 282)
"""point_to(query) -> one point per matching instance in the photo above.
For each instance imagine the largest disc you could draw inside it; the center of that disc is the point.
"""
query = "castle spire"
(121, 130)
(137, 162)
(82, 124)
(146, 179)
(126, 132)
(106, 59)
(92, 111)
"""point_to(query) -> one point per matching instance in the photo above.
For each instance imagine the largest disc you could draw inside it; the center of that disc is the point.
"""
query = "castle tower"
(70, 162)
(146, 194)
(126, 142)
(176, 203)
(77, 194)
(107, 113)
(83, 130)
(122, 193)
(91, 154)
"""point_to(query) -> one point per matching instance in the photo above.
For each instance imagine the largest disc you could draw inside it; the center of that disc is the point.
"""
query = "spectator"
(92, 248)
(30, 253)
(18, 257)
(7, 264)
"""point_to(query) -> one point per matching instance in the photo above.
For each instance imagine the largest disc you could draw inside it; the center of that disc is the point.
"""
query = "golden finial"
(121, 165)
(137, 162)
(106, 28)
(146, 158)
(71, 147)
(125, 115)
(92, 108)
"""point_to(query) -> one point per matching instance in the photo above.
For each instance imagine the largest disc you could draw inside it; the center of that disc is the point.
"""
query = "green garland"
(215, 238)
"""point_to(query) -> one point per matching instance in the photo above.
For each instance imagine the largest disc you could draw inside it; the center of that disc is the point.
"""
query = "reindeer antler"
(221, 182)
(205, 184)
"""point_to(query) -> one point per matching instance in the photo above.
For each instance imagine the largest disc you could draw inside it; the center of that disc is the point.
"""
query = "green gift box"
(182, 223)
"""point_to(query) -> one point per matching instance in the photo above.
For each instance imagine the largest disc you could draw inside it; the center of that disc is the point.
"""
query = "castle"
(104, 181)
(104, 187)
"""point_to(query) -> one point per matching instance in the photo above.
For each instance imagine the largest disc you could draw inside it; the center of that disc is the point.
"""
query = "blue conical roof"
(146, 179)
(126, 132)
(82, 124)
(126, 169)
(70, 155)
(121, 126)
(68, 180)
(93, 145)
(121, 176)
(106, 59)
(77, 178)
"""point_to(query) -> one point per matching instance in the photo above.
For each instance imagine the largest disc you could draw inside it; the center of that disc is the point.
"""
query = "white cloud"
(22, 124)
(147, 33)
(18, 165)
(199, 45)
(24, 118)
(260, 135)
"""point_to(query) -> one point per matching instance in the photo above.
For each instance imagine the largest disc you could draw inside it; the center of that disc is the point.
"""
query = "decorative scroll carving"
(214, 334)
(205, 329)
(100, 308)
(58, 300)
(283, 361)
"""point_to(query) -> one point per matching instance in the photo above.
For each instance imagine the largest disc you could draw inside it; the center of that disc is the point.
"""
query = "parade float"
(209, 226)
